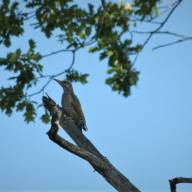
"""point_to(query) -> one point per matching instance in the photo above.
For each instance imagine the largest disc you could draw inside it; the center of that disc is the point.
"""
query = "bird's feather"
(77, 107)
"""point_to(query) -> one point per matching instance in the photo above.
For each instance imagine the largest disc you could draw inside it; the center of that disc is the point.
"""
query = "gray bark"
(84, 148)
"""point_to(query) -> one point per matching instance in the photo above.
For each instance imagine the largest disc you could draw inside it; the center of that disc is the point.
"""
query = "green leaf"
(45, 117)
(111, 70)
(13, 57)
(103, 55)
(93, 49)
(75, 76)
(21, 106)
(30, 113)
(32, 44)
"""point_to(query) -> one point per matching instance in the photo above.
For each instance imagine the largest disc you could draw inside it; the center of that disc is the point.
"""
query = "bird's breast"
(66, 101)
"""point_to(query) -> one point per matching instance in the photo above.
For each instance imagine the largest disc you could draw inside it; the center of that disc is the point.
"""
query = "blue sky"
(147, 136)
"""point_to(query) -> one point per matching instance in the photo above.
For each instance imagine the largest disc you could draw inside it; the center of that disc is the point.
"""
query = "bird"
(71, 104)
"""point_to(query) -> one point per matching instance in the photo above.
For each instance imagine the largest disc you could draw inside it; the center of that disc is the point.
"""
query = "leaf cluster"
(102, 29)
(11, 21)
(24, 68)
(146, 8)
(112, 24)
(74, 22)
(74, 75)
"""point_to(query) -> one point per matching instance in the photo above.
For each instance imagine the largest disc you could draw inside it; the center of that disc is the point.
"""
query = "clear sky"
(147, 136)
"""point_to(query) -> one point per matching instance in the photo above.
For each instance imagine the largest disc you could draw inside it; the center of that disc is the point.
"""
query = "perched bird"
(71, 104)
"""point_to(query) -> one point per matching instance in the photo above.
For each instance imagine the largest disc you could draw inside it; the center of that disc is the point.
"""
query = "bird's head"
(67, 85)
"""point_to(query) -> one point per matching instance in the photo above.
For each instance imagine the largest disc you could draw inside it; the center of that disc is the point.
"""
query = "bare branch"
(172, 43)
(51, 77)
(163, 23)
(56, 52)
(173, 182)
(161, 32)
(171, 33)
(42, 88)
(159, 27)
(72, 62)
(184, 38)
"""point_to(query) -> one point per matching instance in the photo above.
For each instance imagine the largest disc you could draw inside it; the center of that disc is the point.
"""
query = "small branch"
(159, 27)
(163, 23)
(56, 52)
(72, 62)
(161, 32)
(42, 88)
(145, 21)
(171, 33)
(172, 43)
(173, 182)
(51, 77)
(184, 38)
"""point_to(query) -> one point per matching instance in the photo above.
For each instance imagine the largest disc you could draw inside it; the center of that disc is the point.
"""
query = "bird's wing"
(77, 107)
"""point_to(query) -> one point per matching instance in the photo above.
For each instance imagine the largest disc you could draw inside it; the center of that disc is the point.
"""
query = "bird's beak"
(57, 81)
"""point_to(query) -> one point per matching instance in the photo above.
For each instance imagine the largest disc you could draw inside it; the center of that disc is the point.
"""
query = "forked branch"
(84, 148)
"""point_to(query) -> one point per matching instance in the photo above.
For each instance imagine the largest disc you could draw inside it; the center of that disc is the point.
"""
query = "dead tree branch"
(173, 182)
(84, 148)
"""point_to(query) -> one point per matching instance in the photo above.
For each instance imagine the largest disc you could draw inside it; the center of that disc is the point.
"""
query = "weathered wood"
(84, 149)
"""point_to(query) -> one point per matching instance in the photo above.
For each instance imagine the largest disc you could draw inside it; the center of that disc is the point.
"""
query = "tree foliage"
(104, 28)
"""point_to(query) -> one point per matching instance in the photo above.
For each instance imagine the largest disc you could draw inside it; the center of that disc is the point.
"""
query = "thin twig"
(171, 33)
(72, 62)
(145, 21)
(172, 43)
(56, 52)
(159, 27)
(51, 77)
(42, 89)
(160, 32)
(162, 24)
